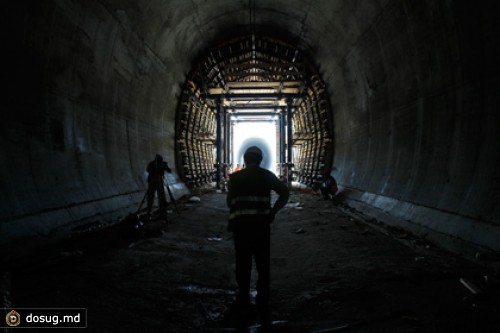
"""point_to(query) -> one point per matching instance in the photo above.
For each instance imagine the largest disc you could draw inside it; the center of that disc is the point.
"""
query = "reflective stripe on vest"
(249, 212)
(250, 205)
(249, 199)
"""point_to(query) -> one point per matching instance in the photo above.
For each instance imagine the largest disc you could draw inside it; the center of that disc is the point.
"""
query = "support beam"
(227, 141)
(252, 120)
(282, 140)
(239, 108)
(289, 139)
(250, 96)
(262, 65)
(289, 142)
(236, 115)
(219, 119)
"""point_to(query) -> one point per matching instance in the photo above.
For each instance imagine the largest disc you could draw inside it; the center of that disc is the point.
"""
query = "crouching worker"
(156, 169)
(249, 200)
(329, 187)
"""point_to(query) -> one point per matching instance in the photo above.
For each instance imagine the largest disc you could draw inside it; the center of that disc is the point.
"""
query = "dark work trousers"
(157, 186)
(252, 240)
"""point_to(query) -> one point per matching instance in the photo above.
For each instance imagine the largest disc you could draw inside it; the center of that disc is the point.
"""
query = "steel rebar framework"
(261, 70)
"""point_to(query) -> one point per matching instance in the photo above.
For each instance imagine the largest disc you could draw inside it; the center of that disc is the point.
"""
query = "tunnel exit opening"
(260, 133)
(253, 80)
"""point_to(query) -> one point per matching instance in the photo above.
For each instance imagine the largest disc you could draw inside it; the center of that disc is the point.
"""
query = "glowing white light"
(258, 133)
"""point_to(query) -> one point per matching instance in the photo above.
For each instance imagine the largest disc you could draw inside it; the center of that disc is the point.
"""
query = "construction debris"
(471, 286)
(194, 199)
(87, 228)
(487, 256)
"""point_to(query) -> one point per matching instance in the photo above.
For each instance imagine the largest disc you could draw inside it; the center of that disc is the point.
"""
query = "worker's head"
(158, 158)
(253, 155)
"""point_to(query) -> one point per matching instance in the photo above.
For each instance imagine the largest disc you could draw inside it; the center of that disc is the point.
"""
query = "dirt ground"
(330, 267)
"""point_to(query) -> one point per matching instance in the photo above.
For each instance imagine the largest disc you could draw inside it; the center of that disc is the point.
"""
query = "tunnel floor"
(330, 266)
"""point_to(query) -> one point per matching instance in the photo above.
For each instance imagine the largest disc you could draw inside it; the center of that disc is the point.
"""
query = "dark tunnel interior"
(397, 100)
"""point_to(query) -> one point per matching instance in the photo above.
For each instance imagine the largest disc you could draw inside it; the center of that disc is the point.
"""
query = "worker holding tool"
(156, 169)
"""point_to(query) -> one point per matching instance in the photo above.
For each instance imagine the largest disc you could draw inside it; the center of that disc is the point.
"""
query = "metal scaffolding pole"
(219, 118)
(282, 141)
(227, 141)
(289, 139)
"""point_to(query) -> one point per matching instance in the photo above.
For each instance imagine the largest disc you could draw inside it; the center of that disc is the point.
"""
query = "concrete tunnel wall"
(93, 90)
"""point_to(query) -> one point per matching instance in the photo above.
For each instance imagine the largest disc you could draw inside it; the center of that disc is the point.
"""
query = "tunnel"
(407, 104)
(253, 79)
(395, 99)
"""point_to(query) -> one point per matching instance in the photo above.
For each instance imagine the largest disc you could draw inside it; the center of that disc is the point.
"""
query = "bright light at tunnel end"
(259, 133)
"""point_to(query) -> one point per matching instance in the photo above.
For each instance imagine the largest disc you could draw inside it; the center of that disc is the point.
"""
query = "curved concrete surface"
(93, 89)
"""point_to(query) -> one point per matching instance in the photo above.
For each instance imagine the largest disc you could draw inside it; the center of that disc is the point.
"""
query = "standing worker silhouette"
(156, 169)
(249, 200)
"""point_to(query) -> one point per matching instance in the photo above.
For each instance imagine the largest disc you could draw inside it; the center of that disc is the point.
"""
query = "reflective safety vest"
(249, 206)
(249, 194)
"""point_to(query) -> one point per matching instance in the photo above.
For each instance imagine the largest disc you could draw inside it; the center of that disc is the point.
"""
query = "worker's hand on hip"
(270, 217)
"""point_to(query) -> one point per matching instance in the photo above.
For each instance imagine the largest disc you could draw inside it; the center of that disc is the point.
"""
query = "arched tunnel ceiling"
(178, 30)
(94, 86)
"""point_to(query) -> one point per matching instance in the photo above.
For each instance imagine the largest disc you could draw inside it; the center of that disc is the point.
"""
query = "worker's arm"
(229, 196)
(167, 168)
(283, 192)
